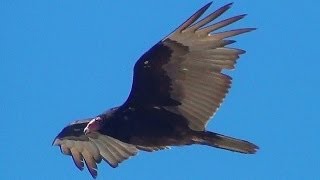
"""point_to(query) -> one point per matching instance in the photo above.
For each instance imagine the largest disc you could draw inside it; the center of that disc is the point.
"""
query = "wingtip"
(79, 163)
(251, 29)
(56, 142)
(111, 164)
(253, 148)
(224, 8)
(246, 30)
(254, 151)
(228, 5)
(92, 171)
(208, 4)
(242, 15)
(205, 7)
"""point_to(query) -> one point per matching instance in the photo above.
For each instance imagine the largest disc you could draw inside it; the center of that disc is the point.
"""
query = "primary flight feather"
(177, 87)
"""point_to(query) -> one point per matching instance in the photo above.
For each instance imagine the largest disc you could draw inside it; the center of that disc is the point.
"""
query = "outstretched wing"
(91, 149)
(183, 72)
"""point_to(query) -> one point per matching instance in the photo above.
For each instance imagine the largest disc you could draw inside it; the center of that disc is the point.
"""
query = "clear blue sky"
(65, 60)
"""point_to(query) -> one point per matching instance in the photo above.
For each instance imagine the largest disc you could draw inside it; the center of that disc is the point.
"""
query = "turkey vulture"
(177, 87)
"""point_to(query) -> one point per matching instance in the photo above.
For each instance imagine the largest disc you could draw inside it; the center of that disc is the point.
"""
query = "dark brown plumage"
(178, 85)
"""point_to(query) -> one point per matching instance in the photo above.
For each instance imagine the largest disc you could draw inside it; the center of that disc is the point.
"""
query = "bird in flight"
(178, 85)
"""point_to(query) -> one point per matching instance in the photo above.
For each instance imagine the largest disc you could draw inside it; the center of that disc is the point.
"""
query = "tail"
(224, 142)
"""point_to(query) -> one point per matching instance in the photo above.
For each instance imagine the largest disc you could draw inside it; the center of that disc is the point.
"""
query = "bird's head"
(94, 125)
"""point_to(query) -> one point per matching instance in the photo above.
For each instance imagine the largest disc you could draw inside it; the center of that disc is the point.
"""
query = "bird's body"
(147, 127)
(178, 85)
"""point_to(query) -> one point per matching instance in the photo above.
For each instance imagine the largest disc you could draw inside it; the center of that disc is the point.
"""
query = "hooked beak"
(86, 130)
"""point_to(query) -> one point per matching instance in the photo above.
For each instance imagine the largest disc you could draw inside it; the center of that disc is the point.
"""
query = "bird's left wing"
(91, 149)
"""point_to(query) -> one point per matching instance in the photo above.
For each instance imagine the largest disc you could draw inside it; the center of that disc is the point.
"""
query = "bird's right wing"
(92, 148)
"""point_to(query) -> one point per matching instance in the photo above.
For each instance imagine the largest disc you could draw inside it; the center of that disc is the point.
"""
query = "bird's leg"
(93, 126)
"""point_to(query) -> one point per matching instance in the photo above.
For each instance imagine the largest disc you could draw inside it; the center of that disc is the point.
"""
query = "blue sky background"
(65, 60)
